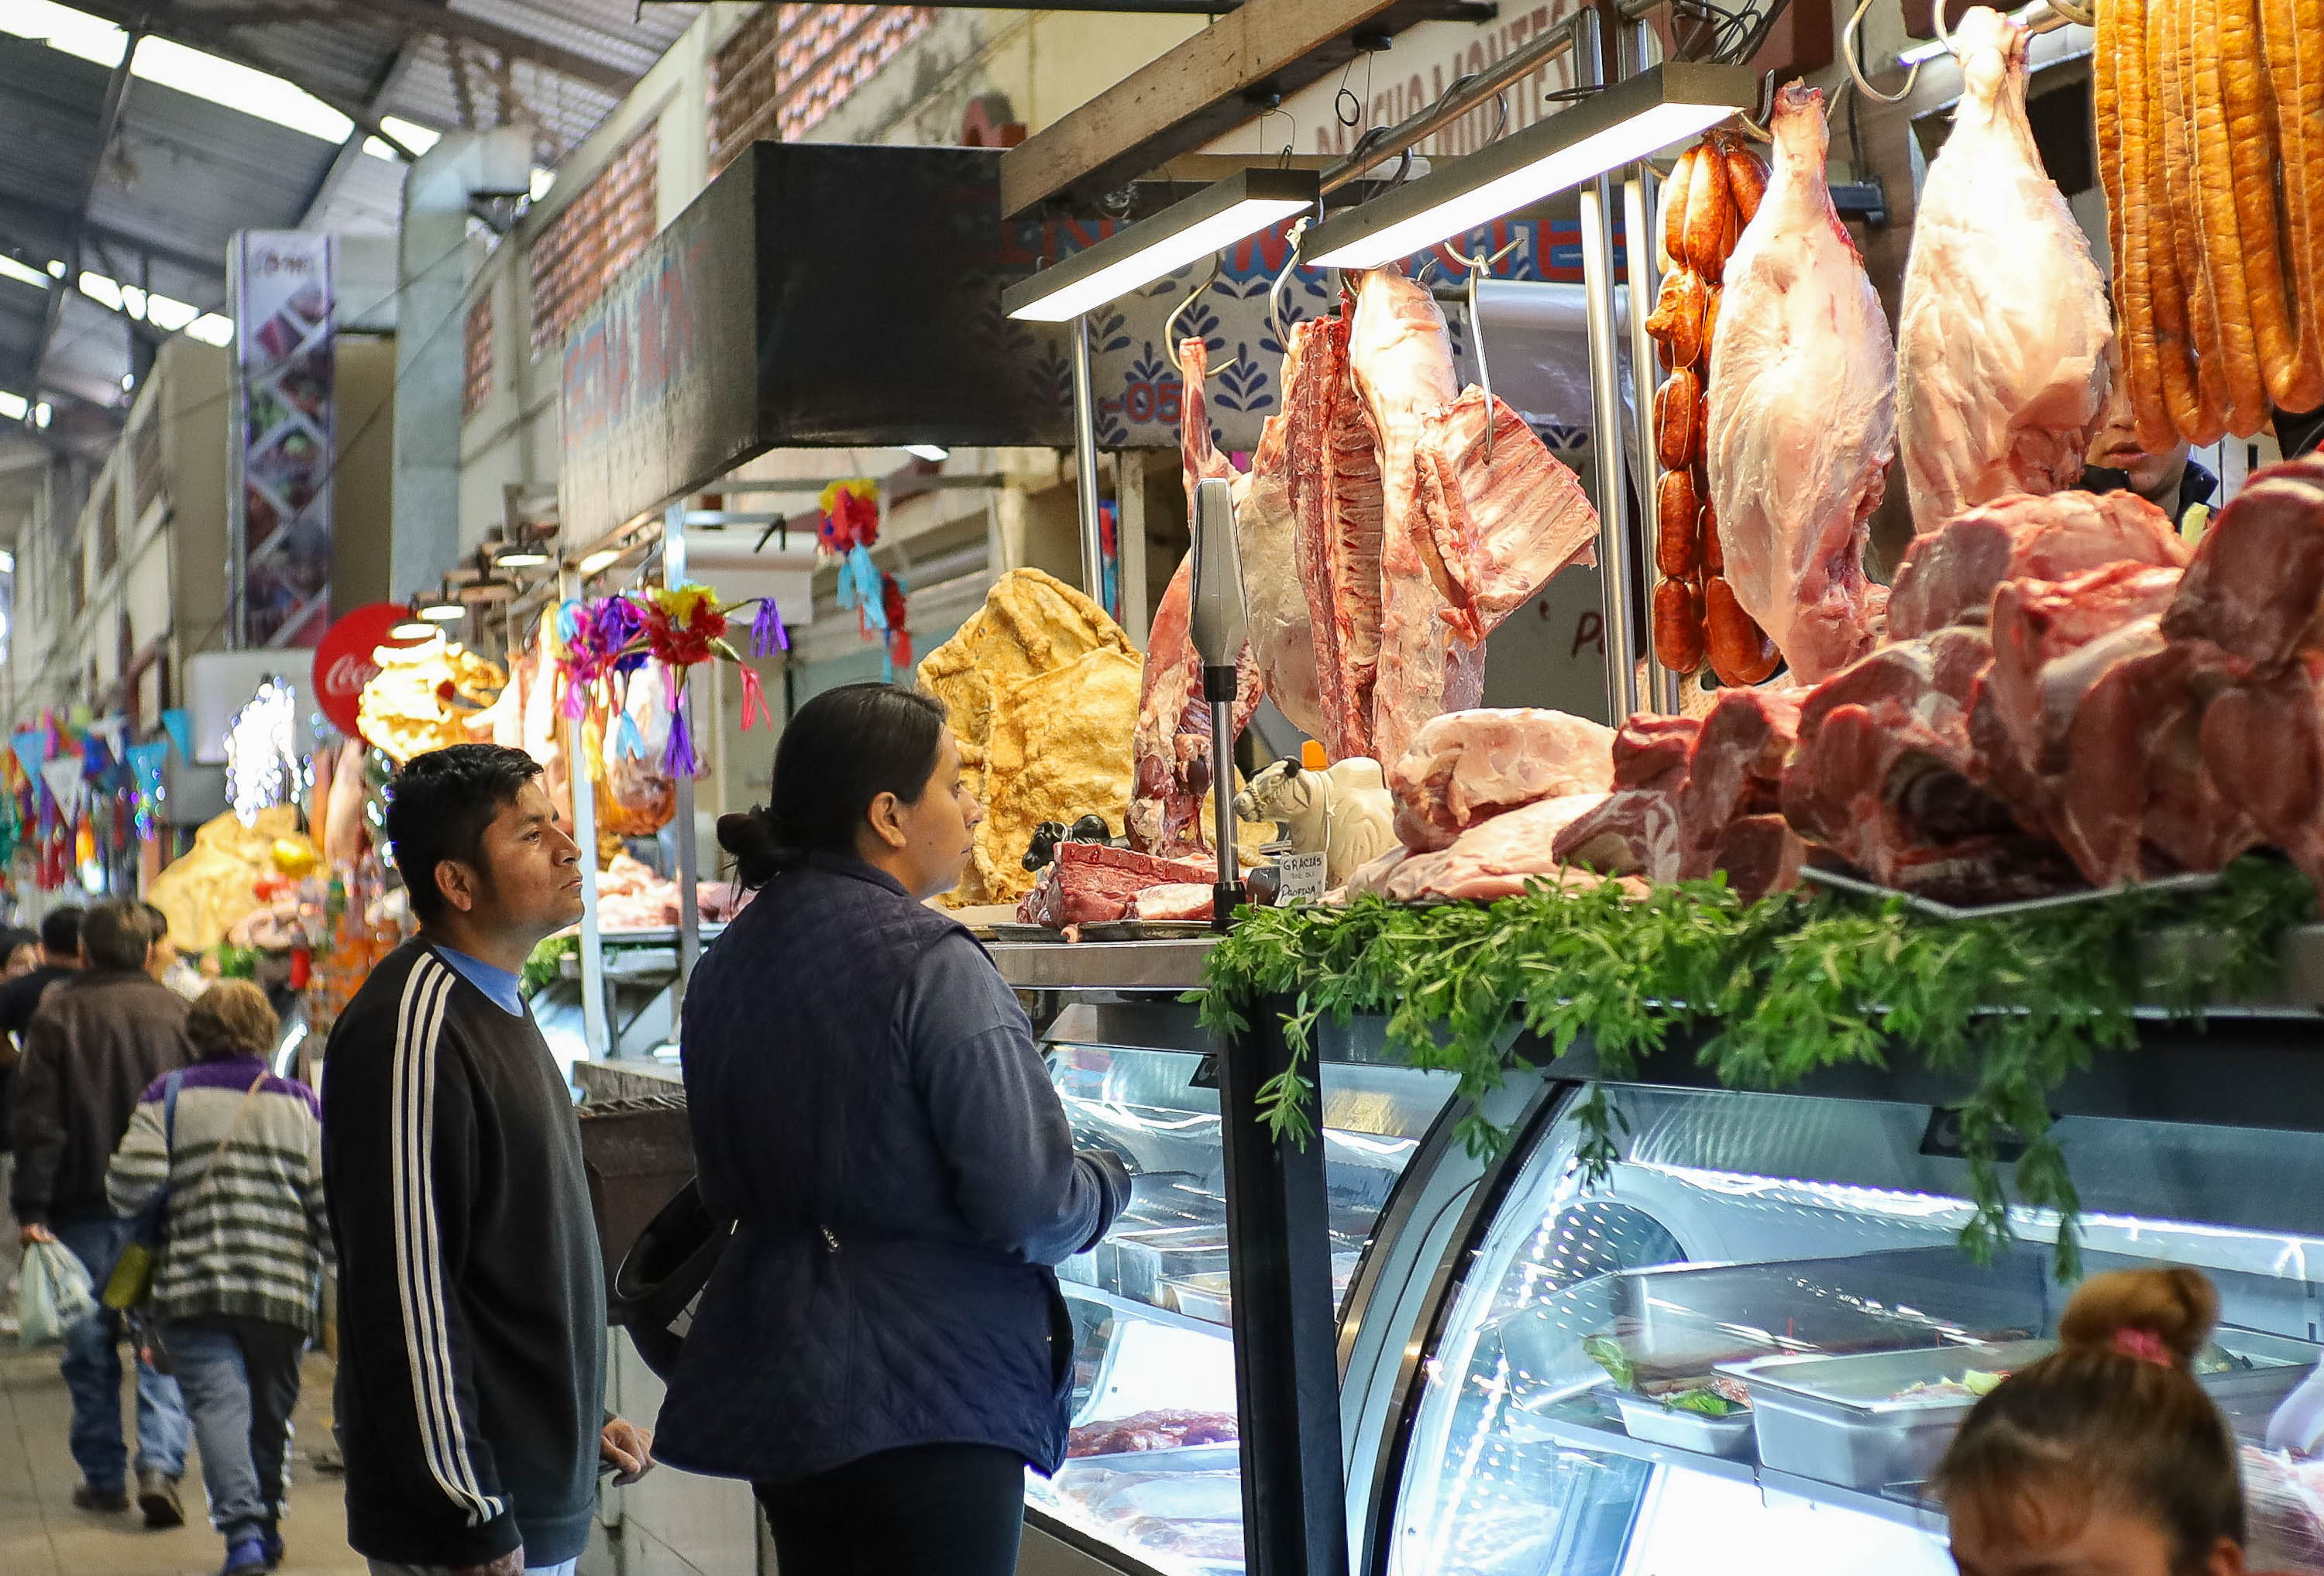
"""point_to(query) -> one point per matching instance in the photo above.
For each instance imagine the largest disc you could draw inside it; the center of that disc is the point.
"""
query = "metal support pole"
(689, 911)
(1615, 569)
(1645, 286)
(1285, 1328)
(1638, 195)
(1086, 465)
(593, 1030)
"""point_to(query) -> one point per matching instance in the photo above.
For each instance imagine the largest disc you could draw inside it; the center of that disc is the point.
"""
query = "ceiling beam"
(351, 149)
(116, 93)
(41, 228)
(440, 20)
(180, 27)
(1213, 82)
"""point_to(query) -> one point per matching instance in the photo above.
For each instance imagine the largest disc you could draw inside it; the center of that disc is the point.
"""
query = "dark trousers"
(929, 1510)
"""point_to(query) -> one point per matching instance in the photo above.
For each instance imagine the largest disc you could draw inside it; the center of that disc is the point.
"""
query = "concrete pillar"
(430, 349)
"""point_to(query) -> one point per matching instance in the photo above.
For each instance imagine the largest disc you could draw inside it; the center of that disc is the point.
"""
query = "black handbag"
(660, 1279)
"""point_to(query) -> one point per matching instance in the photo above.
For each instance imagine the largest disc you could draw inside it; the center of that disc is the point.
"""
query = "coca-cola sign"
(343, 663)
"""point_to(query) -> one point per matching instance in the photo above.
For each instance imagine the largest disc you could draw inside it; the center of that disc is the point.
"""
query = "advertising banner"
(283, 448)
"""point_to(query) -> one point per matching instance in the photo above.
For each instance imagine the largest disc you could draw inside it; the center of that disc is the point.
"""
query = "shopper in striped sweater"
(239, 1289)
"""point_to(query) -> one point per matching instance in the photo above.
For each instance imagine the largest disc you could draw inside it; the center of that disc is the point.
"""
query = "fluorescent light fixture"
(598, 562)
(12, 269)
(7, 558)
(1606, 131)
(522, 558)
(1213, 218)
(12, 408)
(56, 268)
(211, 329)
(41, 413)
(413, 629)
(927, 451)
(170, 314)
(103, 291)
(543, 179)
(444, 610)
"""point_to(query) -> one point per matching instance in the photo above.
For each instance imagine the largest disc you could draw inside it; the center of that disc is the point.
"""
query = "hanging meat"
(1401, 359)
(1801, 412)
(1171, 748)
(1283, 484)
(2004, 341)
(2211, 145)
(1713, 192)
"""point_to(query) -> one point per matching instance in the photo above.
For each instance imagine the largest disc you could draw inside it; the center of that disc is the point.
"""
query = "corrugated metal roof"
(183, 174)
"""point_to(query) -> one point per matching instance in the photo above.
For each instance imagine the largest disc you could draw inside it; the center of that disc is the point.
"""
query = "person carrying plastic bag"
(52, 1295)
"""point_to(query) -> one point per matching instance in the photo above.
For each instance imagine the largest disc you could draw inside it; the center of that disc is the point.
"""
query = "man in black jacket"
(98, 1040)
(472, 1299)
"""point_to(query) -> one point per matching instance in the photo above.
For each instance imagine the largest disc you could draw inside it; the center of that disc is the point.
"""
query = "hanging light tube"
(1213, 218)
(1626, 122)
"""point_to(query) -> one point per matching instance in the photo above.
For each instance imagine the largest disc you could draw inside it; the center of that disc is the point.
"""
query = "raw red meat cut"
(1888, 774)
(1735, 770)
(1635, 831)
(1270, 518)
(2053, 638)
(1497, 527)
(1465, 767)
(1164, 1429)
(2263, 772)
(1170, 751)
(2005, 341)
(1801, 409)
(2258, 573)
(1950, 574)
(1088, 883)
(1497, 857)
(1400, 358)
(1337, 502)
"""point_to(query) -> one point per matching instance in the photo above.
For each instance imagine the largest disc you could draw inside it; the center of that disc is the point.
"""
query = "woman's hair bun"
(2177, 1305)
(755, 843)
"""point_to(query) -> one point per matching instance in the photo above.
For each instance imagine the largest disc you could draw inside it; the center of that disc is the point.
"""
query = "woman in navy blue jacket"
(882, 1349)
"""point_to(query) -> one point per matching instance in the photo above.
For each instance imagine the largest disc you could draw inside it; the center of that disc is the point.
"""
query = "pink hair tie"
(2145, 1345)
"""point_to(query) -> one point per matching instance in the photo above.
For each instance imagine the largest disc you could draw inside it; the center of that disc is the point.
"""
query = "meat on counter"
(1091, 883)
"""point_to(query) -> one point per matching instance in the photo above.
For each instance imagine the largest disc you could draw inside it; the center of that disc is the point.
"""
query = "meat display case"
(1799, 1249)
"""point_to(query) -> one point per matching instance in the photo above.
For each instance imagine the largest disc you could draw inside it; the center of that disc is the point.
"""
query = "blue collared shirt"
(498, 983)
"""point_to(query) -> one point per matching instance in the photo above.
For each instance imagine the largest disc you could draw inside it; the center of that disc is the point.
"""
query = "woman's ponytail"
(756, 844)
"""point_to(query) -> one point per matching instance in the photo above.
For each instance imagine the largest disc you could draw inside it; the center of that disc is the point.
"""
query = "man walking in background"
(471, 1298)
(59, 955)
(98, 1040)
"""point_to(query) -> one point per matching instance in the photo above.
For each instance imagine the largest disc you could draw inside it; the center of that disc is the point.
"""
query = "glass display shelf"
(1154, 1466)
(1741, 1242)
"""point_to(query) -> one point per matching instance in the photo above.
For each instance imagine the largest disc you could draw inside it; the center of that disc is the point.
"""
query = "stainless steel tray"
(1147, 930)
(1842, 1419)
(1838, 882)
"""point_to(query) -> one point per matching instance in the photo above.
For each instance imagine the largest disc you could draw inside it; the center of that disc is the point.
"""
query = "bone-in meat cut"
(1801, 422)
(1086, 884)
(1170, 749)
(1467, 767)
(1284, 499)
(1949, 575)
(1401, 359)
(1336, 503)
(2004, 338)
(1499, 516)
(2258, 573)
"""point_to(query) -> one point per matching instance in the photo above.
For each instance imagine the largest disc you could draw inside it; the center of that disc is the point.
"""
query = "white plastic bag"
(53, 1295)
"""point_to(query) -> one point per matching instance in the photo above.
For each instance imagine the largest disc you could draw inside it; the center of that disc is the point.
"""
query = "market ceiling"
(144, 133)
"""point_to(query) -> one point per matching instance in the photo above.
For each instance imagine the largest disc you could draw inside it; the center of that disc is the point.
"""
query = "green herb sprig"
(1779, 989)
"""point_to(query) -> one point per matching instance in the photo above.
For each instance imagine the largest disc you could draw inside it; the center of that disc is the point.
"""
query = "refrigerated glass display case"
(1745, 1348)
(1153, 1475)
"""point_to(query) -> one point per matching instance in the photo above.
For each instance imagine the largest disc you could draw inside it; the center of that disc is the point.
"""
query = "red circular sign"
(343, 663)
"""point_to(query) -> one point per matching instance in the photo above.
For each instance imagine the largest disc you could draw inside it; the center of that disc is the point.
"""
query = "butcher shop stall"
(1728, 799)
